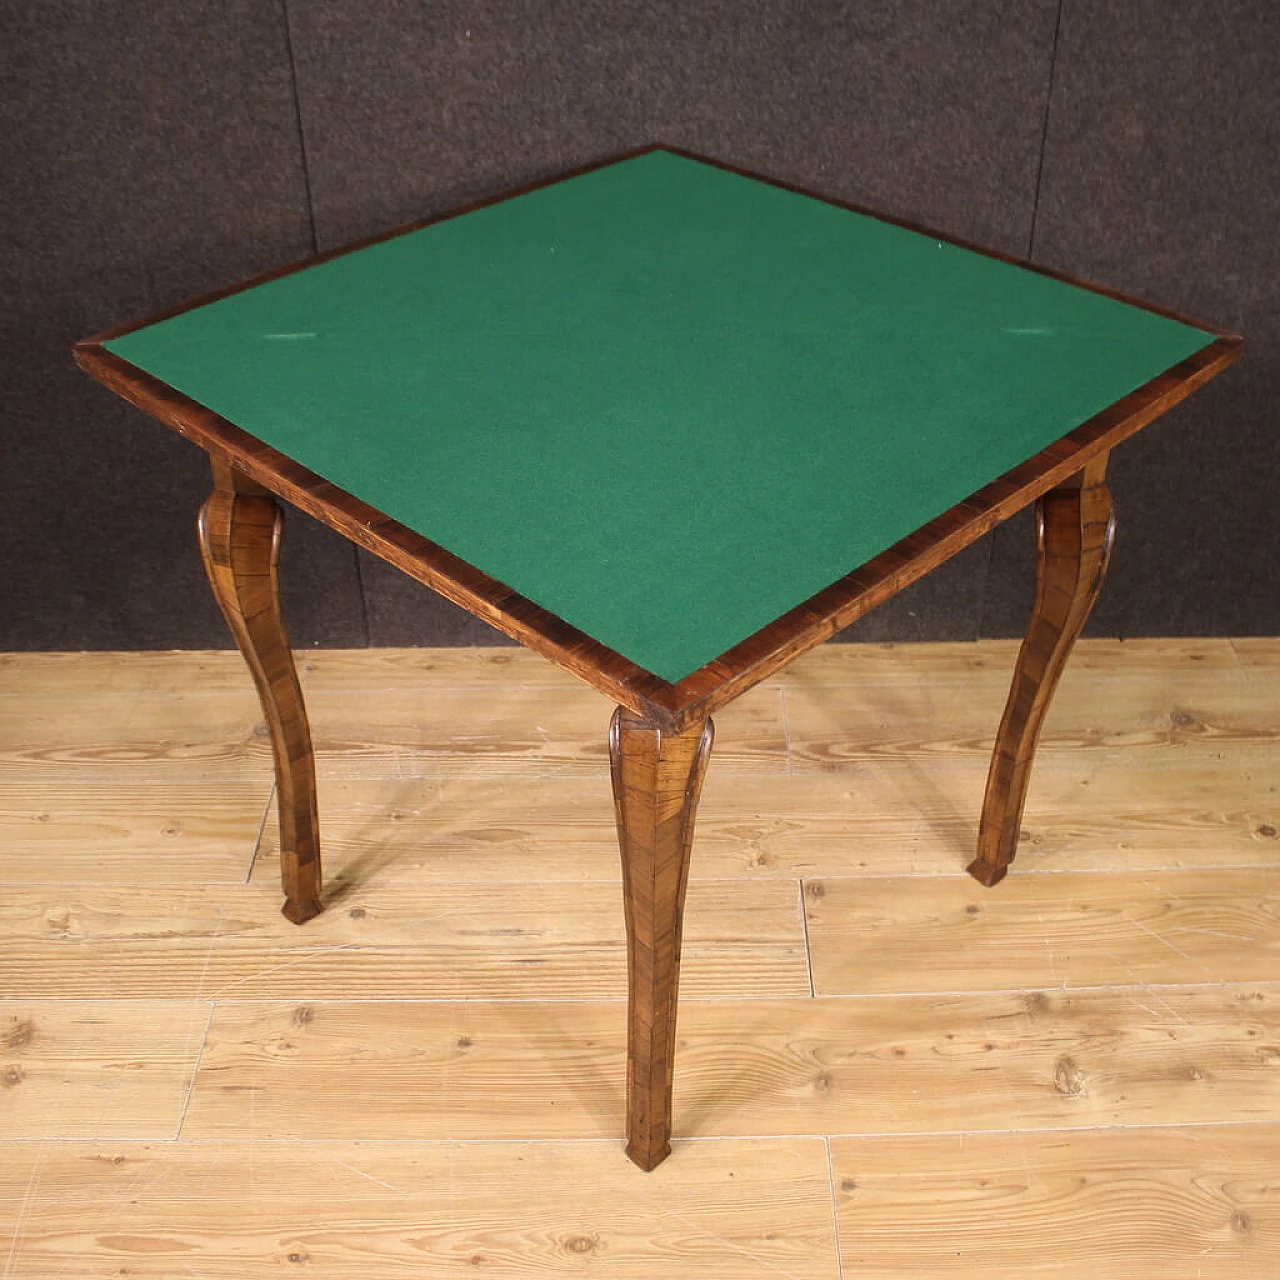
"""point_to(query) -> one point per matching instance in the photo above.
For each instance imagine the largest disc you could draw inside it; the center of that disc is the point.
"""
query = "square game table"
(670, 425)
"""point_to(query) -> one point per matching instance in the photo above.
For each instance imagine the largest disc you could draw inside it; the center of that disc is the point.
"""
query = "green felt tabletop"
(663, 401)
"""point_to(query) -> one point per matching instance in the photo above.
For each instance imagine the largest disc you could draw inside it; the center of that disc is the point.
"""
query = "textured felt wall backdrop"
(153, 150)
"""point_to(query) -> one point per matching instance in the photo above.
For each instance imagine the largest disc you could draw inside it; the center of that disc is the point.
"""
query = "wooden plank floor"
(884, 1070)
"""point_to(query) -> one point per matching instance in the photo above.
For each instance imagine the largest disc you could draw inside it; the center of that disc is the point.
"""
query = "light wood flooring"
(884, 1070)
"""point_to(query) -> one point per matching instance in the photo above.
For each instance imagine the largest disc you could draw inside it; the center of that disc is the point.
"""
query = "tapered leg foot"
(989, 873)
(1075, 529)
(657, 777)
(300, 910)
(239, 531)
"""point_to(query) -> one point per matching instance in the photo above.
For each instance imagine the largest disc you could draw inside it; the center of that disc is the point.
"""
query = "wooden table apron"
(661, 733)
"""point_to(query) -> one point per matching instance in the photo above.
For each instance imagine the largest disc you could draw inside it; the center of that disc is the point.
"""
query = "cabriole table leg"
(657, 776)
(1075, 529)
(239, 529)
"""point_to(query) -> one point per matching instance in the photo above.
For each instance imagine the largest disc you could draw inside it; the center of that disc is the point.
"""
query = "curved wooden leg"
(239, 530)
(657, 776)
(1075, 529)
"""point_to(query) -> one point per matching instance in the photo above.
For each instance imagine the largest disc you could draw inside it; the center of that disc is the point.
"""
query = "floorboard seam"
(835, 1207)
(195, 1072)
(808, 952)
(262, 827)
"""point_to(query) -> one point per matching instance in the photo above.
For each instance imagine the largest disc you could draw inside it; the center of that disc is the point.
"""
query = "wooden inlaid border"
(704, 691)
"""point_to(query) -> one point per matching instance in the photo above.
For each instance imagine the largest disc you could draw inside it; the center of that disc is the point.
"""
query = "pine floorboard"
(1075, 1074)
(355, 1210)
(885, 1064)
(1143, 1204)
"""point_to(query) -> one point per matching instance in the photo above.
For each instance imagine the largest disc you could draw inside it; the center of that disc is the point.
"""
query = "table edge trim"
(753, 658)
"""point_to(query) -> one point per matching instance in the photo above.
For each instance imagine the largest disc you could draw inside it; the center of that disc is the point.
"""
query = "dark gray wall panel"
(1161, 177)
(946, 605)
(99, 549)
(149, 151)
(320, 586)
(928, 110)
(404, 612)
(932, 111)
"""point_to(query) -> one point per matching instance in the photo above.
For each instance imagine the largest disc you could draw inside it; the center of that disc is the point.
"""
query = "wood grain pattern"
(697, 696)
(360, 1211)
(1150, 819)
(945, 1093)
(1258, 656)
(1195, 718)
(239, 530)
(657, 778)
(183, 737)
(117, 832)
(1142, 1204)
(145, 672)
(537, 730)
(1068, 930)
(963, 663)
(1031, 1059)
(490, 829)
(193, 715)
(425, 730)
(97, 1069)
(140, 673)
(890, 818)
(973, 663)
(436, 942)
(1075, 531)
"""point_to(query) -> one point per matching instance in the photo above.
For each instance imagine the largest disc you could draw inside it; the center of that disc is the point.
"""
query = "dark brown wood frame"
(661, 735)
(703, 692)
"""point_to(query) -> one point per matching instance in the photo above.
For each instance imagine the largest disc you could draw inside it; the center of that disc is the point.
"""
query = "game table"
(669, 424)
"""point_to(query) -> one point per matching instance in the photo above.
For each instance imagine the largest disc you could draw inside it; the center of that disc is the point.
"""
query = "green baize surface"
(665, 402)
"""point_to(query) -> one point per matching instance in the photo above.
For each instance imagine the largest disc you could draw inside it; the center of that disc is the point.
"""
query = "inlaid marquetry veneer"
(670, 425)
